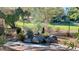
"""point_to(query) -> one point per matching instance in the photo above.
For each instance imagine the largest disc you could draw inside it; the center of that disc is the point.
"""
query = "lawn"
(61, 27)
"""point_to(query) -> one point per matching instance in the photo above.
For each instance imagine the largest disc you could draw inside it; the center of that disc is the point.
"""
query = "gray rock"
(28, 40)
(51, 39)
(12, 39)
(38, 39)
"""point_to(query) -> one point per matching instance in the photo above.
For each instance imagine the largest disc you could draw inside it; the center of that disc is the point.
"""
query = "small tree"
(19, 12)
(2, 15)
(10, 20)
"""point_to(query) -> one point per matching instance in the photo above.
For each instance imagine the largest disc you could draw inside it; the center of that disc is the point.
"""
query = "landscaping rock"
(51, 39)
(13, 39)
(38, 39)
(27, 40)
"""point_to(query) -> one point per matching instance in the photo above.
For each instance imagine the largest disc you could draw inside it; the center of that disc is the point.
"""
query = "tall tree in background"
(27, 15)
(19, 12)
(45, 14)
(74, 14)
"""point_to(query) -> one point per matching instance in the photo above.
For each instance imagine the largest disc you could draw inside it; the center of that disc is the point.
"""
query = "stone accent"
(19, 46)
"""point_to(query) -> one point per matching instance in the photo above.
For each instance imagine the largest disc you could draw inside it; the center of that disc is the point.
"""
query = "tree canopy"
(46, 13)
(39, 14)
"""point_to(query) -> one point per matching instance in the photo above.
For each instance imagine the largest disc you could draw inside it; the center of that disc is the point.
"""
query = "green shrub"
(2, 41)
(21, 36)
(75, 35)
(71, 44)
(77, 38)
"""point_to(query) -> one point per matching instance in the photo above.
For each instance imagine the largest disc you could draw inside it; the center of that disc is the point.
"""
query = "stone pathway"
(19, 46)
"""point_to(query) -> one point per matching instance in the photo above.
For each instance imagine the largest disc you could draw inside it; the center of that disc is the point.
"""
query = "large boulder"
(38, 39)
(51, 39)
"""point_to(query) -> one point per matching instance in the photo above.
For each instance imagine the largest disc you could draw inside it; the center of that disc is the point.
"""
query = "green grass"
(21, 24)
(61, 27)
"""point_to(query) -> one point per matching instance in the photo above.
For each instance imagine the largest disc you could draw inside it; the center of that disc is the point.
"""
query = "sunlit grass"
(61, 27)
(64, 27)
(21, 24)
